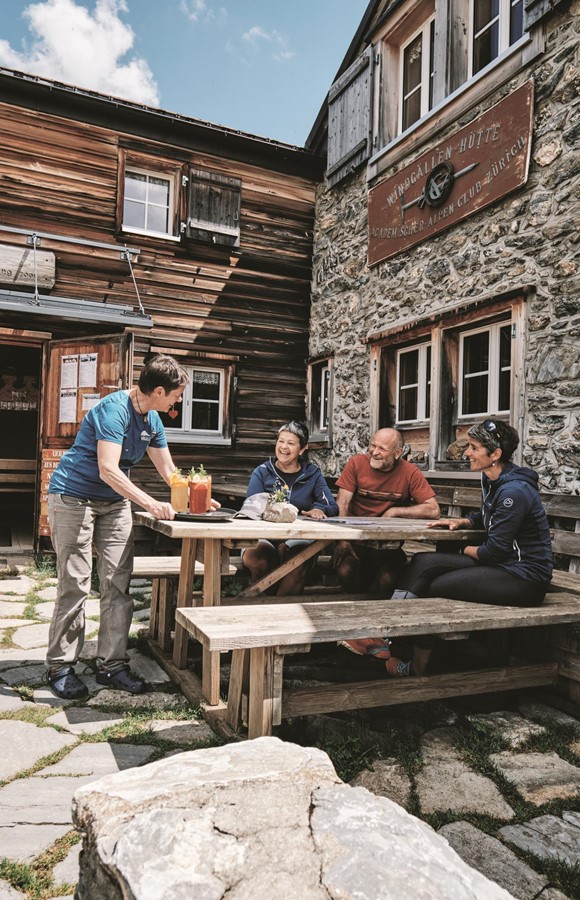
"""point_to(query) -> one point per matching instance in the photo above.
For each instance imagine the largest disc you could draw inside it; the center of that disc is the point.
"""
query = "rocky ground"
(500, 780)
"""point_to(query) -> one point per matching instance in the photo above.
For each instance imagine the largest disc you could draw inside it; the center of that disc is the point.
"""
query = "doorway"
(20, 372)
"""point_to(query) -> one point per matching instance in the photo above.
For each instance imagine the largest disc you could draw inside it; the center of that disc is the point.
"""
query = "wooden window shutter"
(350, 118)
(535, 10)
(213, 212)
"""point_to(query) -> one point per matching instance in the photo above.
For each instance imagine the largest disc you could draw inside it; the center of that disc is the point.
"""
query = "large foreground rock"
(260, 819)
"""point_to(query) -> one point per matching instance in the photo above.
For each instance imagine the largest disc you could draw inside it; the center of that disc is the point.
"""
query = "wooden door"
(77, 373)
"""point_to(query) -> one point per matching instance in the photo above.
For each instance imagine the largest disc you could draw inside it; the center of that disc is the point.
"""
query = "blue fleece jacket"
(308, 491)
(518, 535)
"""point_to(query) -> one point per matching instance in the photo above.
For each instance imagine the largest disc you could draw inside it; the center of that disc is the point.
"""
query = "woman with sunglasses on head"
(513, 564)
(305, 487)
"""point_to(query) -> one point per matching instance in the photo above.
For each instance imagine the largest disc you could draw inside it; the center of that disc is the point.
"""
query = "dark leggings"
(461, 578)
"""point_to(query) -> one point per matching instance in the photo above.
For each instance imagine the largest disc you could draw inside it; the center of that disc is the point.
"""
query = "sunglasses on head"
(489, 426)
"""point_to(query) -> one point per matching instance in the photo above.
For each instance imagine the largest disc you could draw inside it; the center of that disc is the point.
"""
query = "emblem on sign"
(438, 186)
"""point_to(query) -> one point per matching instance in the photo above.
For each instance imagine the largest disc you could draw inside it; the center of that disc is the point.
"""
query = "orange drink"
(179, 492)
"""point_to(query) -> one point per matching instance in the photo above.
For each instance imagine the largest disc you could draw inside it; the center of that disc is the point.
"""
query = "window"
(417, 75)
(413, 384)
(320, 400)
(148, 203)
(496, 25)
(485, 366)
(203, 416)
(214, 208)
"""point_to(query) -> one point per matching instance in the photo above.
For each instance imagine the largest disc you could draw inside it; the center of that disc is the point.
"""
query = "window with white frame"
(148, 202)
(320, 399)
(485, 370)
(413, 384)
(417, 75)
(496, 25)
(202, 416)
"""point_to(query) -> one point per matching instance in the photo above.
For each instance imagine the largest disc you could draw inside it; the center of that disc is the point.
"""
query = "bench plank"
(242, 627)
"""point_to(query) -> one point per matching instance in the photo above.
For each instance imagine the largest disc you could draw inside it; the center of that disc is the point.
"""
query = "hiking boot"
(396, 668)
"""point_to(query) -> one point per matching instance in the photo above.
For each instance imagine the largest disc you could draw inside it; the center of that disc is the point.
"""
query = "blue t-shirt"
(112, 419)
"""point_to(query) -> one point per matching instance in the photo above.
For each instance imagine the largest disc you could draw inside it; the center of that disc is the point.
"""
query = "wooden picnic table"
(211, 543)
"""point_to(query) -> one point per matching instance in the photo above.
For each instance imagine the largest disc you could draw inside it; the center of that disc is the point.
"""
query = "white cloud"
(73, 45)
(257, 37)
(202, 11)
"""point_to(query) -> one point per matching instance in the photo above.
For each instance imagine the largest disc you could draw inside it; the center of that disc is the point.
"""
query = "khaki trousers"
(76, 527)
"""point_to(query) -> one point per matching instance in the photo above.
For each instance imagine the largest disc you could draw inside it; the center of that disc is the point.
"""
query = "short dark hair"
(300, 429)
(161, 371)
(495, 434)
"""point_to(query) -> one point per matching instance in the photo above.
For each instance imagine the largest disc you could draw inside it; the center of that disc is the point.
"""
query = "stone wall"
(527, 238)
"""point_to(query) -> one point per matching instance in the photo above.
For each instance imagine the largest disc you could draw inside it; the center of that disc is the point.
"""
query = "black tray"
(215, 515)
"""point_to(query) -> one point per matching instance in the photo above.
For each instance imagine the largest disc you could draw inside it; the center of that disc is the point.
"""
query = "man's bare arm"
(427, 510)
(343, 500)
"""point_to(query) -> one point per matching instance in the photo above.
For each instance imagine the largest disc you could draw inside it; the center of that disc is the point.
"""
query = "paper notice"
(90, 400)
(68, 406)
(69, 372)
(88, 370)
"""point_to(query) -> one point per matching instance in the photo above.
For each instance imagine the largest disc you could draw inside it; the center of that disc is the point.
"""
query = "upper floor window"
(417, 75)
(148, 202)
(485, 366)
(413, 384)
(496, 25)
(203, 415)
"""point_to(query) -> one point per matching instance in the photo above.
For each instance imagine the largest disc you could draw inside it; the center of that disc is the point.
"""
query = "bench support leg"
(210, 678)
(239, 672)
(260, 711)
(166, 612)
(154, 611)
(184, 598)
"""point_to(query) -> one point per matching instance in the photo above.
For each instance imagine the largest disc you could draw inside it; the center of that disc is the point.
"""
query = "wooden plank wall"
(252, 303)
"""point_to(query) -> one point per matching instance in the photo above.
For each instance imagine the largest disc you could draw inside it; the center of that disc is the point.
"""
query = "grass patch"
(7, 572)
(8, 634)
(35, 879)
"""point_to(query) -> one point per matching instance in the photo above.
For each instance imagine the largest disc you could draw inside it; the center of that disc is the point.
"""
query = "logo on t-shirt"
(145, 436)
(508, 501)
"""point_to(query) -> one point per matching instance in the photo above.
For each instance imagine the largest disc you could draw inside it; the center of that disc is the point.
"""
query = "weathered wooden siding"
(251, 303)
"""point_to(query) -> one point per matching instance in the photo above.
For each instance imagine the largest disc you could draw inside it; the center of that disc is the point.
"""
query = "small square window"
(485, 367)
(147, 202)
(202, 416)
(413, 384)
(496, 25)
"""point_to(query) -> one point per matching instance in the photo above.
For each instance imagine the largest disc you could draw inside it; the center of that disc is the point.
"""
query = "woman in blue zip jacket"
(512, 566)
(305, 487)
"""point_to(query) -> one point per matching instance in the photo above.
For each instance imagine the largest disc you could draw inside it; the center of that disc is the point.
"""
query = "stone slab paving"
(190, 731)
(7, 892)
(154, 700)
(9, 659)
(21, 585)
(24, 674)
(548, 837)
(540, 712)
(11, 608)
(39, 801)
(539, 777)
(147, 668)
(23, 744)
(47, 593)
(513, 728)
(447, 783)
(494, 860)
(68, 870)
(100, 759)
(10, 701)
(15, 623)
(386, 778)
(23, 843)
(81, 720)
(45, 610)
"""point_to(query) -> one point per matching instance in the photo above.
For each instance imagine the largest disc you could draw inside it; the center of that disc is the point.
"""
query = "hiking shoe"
(396, 668)
(378, 647)
(121, 679)
(65, 684)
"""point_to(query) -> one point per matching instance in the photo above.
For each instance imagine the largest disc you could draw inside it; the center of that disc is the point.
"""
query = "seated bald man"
(379, 483)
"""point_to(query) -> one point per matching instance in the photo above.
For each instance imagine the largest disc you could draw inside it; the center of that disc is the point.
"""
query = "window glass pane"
(158, 191)
(504, 391)
(409, 367)
(135, 186)
(205, 385)
(205, 416)
(483, 12)
(475, 394)
(516, 21)
(177, 422)
(431, 62)
(505, 346)
(324, 398)
(408, 404)
(476, 353)
(412, 81)
(133, 214)
(486, 47)
(157, 219)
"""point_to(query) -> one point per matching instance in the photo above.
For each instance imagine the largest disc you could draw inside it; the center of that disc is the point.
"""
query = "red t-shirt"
(374, 492)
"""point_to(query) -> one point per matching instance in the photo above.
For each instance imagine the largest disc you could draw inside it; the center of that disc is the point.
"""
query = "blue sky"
(262, 66)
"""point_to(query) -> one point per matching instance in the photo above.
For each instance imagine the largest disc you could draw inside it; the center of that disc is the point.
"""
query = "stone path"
(50, 747)
(483, 779)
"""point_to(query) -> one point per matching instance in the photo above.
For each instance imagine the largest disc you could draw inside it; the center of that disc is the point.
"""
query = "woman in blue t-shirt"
(305, 487)
(89, 506)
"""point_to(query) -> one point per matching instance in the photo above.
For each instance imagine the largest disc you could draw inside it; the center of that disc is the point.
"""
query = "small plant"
(280, 492)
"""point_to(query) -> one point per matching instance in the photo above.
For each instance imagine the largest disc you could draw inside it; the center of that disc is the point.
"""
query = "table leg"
(277, 574)
(184, 598)
(261, 692)
(212, 588)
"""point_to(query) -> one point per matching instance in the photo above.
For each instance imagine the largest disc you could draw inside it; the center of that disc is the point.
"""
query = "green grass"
(35, 878)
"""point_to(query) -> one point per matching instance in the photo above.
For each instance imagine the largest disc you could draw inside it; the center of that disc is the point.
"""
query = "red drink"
(197, 497)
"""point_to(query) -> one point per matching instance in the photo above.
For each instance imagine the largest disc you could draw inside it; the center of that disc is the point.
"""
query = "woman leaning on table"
(512, 566)
(306, 488)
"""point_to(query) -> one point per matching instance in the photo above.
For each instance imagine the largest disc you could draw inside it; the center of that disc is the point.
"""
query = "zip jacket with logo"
(308, 491)
(518, 535)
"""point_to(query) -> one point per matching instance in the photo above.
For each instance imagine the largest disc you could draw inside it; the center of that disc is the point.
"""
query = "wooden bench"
(164, 573)
(261, 636)
(18, 475)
